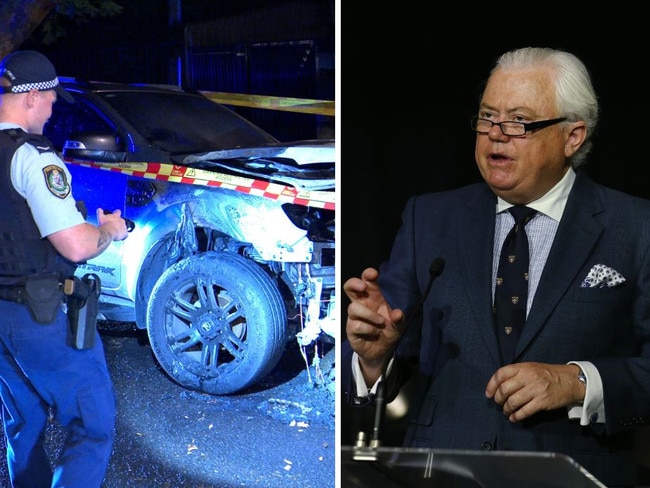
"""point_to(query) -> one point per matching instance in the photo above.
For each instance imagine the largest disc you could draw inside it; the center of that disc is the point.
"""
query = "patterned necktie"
(511, 292)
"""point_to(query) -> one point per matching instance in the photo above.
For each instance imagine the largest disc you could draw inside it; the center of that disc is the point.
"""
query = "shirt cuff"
(362, 389)
(592, 410)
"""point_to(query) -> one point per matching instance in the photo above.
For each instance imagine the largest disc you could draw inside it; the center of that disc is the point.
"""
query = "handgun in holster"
(82, 299)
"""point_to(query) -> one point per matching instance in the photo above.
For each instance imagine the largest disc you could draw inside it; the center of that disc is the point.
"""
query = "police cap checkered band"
(41, 85)
(30, 70)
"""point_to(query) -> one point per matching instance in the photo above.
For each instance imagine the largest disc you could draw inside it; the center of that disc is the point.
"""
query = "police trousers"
(41, 376)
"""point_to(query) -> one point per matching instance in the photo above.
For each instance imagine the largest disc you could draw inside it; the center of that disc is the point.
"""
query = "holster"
(82, 298)
(43, 297)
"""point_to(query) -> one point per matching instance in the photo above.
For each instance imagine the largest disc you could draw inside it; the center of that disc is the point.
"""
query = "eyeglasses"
(509, 128)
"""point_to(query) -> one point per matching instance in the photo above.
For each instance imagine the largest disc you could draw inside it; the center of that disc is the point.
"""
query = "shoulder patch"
(56, 181)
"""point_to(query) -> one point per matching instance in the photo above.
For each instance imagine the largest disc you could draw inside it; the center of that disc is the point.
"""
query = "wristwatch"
(582, 378)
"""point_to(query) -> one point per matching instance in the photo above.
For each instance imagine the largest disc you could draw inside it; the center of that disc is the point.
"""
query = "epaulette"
(20, 137)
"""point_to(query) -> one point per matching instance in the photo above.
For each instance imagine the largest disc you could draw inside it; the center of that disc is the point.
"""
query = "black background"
(408, 95)
(410, 81)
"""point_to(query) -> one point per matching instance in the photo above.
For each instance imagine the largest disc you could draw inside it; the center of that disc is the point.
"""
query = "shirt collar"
(10, 125)
(553, 202)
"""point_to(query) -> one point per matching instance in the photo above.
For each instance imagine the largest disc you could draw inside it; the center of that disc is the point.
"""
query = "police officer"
(43, 235)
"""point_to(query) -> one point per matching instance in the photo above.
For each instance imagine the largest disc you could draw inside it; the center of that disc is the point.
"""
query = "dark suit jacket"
(456, 344)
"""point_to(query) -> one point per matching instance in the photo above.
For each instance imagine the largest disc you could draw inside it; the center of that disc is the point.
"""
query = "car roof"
(94, 85)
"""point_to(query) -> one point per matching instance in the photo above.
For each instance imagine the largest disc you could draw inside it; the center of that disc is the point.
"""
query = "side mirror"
(94, 146)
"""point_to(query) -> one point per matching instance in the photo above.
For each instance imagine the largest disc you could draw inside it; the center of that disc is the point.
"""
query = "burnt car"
(232, 253)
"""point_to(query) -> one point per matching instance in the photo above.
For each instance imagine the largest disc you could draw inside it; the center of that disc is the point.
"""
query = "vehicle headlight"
(318, 222)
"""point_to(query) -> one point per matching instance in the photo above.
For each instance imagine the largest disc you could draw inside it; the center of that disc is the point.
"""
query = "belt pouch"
(43, 297)
(83, 308)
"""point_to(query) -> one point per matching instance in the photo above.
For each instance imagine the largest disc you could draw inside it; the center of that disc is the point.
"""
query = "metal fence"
(295, 69)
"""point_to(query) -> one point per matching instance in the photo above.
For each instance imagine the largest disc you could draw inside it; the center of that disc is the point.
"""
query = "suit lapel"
(576, 236)
(475, 252)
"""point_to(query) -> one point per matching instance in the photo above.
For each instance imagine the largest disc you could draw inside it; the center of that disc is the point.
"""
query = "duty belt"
(12, 293)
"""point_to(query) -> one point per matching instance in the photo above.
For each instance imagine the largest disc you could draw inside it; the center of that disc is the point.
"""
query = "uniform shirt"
(44, 181)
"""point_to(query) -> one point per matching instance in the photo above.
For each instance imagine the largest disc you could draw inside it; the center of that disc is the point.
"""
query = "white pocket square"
(602, 276)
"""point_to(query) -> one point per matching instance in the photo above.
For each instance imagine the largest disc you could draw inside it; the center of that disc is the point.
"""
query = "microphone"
(435, 269)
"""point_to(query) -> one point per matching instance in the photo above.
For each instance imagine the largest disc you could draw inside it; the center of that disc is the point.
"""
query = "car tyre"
(216, 322)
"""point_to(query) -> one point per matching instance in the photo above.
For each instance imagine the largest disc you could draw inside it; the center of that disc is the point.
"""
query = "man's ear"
(577, 135)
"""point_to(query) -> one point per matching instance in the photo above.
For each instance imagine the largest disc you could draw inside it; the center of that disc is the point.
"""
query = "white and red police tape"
(193, 176)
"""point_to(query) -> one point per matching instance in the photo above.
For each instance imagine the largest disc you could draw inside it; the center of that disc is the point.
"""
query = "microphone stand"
(369, 451)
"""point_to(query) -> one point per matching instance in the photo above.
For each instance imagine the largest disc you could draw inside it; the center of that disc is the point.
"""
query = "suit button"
(486, 446)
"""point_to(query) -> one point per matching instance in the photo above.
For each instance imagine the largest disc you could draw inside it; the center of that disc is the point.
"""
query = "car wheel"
(216, 322)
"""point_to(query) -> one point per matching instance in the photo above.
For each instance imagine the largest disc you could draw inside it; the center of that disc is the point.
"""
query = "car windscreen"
(182, 123)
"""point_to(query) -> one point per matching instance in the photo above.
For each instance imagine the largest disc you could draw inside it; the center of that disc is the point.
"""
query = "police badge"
(56, 181)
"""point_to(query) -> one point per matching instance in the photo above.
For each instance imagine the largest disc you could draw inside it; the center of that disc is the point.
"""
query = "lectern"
(384, 467)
